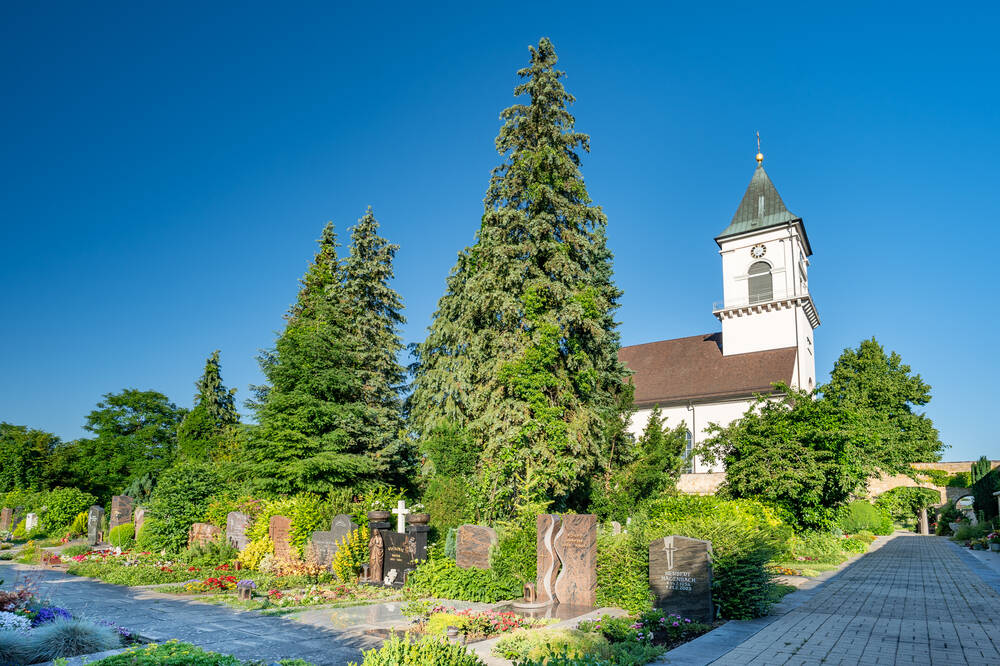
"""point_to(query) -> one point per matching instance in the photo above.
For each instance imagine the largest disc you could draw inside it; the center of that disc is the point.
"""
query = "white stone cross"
(401, 512)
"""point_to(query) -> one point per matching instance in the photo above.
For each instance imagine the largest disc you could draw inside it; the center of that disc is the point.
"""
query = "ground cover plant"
(424, 650)
(176, 653)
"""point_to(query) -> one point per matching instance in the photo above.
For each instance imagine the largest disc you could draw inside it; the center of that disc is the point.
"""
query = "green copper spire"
(761, 207)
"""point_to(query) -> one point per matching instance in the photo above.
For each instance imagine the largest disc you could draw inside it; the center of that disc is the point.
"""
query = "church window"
(761, 289)
(688, 458)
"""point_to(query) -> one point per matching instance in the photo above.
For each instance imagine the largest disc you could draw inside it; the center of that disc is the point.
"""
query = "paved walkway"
(160, 617)
(915, 600)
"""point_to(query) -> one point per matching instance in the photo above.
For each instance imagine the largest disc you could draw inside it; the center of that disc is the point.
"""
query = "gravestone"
(576, 546)
(94, 518)
(280, 529)
(326, 544)
(616, 527)
(6, 516)
(30, 522)
(140, 518)
(680, 575)
(121, 511)
(236, 529)
(547, 526)
(202, 533)
(401, 554)
(473, 547)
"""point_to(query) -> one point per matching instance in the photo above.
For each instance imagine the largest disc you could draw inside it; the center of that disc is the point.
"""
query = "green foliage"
(959, 480)
(24, 457)
(141, 488)
(351, 555)
(903, 504)
(622, 571)
(64, 504)
(441, 577)
(202, 430)
(451, 543)
(180, 499)
(308, 513)
(71, 551)
(122, 536)
(982, 491)
(79, 525)
(174, 653)
(135, 433)
(548, 644)
(968, 531)
(521, 356)
(447, 500)
(938, 477)
(861, 515)
(979, 469)
(428, 650)
(209, 552)
(326, 421)
(819, 547)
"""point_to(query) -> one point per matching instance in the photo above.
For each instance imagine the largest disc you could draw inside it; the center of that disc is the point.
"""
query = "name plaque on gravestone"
(139, 519)
(6, 516)
(121, 511)
(547, 528)
(279, 530)
(680, 575)
(473, 546)
(94, 518)
(576, 546)
(236, 529)
(201, 533)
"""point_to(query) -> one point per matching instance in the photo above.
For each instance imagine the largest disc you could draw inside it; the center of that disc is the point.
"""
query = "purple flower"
(49, 614)
(677, 624)
(688, 620)
(246, 582)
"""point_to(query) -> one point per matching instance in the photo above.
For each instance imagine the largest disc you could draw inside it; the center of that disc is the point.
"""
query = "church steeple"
(760, 208)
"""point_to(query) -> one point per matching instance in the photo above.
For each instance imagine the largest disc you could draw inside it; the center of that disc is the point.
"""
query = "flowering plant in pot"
(418, 517)
(994, 540)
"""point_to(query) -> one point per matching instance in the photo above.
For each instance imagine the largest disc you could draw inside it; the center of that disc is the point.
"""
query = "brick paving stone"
(914, 600)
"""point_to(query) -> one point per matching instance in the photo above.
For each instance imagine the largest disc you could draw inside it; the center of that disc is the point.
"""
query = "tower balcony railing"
(719, 306)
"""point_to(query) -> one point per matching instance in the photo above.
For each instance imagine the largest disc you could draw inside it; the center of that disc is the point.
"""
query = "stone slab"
(576, 546)
(121, 511)
(547, 528)
(201, 533)
(401, 554)
(6, 518)
(30, 522)
(95, 516)
(473, 546)
(680, 576)
(280, 531)
(236, 529)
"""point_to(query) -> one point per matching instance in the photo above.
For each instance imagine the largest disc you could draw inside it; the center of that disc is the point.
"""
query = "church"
(768, 321)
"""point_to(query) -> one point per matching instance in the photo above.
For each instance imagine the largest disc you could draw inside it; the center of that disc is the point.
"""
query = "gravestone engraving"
(30, 522)
(547, 526)
(576, 546)
(326, 544)
(6, 516)
(680, 575)
(236, 529)
(140, 518)
(342, 527)
(473, 547)
(95, 515)
(202, 533)
(121, 511)
(279, 530)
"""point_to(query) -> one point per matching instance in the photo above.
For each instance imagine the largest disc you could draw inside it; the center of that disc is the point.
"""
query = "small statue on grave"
(376, 552)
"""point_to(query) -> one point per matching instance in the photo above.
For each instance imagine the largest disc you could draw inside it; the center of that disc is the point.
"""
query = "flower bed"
(215, 584)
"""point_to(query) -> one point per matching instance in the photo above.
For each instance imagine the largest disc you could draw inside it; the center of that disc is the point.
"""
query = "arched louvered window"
(761, 289)
(688, 458)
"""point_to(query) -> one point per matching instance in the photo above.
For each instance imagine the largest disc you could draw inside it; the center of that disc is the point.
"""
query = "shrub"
(180, 499)
(148, 537)
(79, 525)
(959, 480)
(255, 551)
(441, 577)
(622, 571)
(966, 532)
(65, 504)
(68, 638)
(860, 515)
(19, 534)
(15, 646)
(904, 504)
(451, 543)
(819, 547)
(447, 501)
(545, 643)
(122, 536)
(351, 555)
(426, 650)
(209, 552)
(172, 652)
(438, 623)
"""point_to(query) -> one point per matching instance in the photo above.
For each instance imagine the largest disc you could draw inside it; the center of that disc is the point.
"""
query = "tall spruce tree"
(522, 353)
(375, 313)
(320, 427)
(214, 412)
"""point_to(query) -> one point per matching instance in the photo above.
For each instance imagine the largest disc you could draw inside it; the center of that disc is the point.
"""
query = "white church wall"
(759, 331)
(781, 250)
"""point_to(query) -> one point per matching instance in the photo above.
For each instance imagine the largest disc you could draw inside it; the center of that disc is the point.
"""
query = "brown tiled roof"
(676, 371)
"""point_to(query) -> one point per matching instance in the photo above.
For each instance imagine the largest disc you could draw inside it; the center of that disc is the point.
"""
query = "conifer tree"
(213, 414)
(375, 313)
(522, 353)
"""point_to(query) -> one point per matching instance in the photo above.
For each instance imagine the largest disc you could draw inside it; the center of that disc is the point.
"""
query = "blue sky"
(166, 169)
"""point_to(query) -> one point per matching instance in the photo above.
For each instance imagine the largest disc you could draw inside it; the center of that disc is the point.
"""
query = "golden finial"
(760, 155)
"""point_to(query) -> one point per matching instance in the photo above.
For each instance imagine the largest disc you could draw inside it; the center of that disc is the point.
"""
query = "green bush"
(65, 504)
(180, 499)
(18, 533)
(79, 525)
(622, 571)
(68, 638)
(451, 543)
(122, 536)
(967, 531)
(148, 537)
(209, 553)
(938, 477)
(541, 644)
(959, 480)
(861, 515)
(70, 551)
(447, 500)
(819, 547)
(171, 653)
(427, 650)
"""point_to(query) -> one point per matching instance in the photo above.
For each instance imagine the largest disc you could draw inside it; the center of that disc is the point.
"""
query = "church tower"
(765, 259)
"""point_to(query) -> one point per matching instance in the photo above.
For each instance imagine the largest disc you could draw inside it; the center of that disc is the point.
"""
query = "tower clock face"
(758, 251)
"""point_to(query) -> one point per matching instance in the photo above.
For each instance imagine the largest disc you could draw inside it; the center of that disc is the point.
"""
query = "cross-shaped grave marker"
(401, 512)
(669, 548)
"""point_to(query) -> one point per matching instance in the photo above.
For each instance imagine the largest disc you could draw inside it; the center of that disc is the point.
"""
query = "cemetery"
(517, 487)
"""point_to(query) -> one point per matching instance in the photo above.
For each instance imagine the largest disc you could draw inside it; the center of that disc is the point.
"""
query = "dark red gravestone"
(201, 533)
(473, 547)
(6, 517)
(576, 546)
(280, 530)
(121, 511)
(547, 525)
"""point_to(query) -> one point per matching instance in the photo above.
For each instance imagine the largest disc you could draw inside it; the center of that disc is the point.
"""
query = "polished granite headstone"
(121, 511)
(547, 527)
(94, 518)
(473, 546)
(576, 546)
(680, 575)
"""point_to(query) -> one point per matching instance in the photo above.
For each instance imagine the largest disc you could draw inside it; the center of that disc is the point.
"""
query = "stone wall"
(701, 484)
(952, 467)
